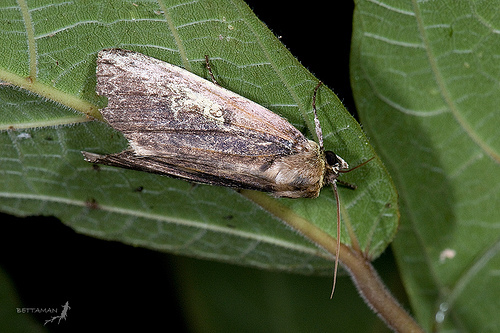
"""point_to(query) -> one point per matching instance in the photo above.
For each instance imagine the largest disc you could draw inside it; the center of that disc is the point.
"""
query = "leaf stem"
(375, 293)
(364, 276)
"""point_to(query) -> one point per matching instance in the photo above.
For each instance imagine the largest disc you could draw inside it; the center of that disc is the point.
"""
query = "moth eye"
(331, 158)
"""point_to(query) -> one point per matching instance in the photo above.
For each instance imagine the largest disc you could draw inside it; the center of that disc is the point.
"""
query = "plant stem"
(366, 279)
(375, 293)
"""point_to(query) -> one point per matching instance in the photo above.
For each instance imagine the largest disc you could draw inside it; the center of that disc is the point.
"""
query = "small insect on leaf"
(181, 125)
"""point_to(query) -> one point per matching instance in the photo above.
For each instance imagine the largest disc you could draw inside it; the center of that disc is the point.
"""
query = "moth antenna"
(319, 135)
(349, 185)
(207, 64)
(357, 166)
(334, 185)
(337, 251)
(317, 125)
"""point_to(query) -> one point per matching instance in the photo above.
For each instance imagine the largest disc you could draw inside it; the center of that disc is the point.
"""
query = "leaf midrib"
(312, 250)
(448, 100)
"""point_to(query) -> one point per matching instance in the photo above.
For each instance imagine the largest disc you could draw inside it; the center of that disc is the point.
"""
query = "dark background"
(113, 286)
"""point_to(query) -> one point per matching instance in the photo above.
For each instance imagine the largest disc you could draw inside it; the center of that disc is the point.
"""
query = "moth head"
(335, 165)
(336, 162)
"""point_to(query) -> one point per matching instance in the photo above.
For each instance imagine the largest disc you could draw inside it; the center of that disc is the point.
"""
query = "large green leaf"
(426, 80)
(42, 170)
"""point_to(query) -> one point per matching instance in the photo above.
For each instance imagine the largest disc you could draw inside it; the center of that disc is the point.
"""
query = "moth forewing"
(181, 125)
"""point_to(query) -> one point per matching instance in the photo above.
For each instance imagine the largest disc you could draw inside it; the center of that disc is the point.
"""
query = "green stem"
(366, 279)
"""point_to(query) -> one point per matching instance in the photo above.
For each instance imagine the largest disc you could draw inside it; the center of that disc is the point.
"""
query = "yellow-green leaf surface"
(50, 52)
(426, 81)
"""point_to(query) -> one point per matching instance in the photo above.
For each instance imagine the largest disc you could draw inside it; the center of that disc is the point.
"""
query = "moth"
(181, 125)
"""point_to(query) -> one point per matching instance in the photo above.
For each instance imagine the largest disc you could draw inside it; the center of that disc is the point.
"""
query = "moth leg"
(207, 63)
(346, 184)
(193, 186)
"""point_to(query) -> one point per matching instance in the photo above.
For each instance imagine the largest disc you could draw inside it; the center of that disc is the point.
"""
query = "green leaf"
(43, 172)
(425, 76)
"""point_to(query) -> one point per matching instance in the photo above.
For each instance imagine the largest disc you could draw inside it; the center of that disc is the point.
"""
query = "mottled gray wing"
(181, 125)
